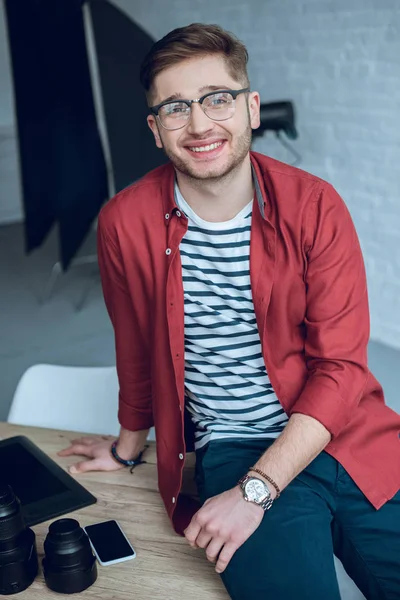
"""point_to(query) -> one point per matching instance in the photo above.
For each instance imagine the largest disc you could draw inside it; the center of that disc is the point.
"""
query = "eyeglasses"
(218, 106)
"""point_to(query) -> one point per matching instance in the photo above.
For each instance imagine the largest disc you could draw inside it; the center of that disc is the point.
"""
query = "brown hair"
(192, 41)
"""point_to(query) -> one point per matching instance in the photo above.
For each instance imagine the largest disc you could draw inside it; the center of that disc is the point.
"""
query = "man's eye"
(220, 99)
(175, 109)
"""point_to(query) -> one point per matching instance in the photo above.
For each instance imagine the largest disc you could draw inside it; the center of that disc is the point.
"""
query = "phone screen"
(109, 541)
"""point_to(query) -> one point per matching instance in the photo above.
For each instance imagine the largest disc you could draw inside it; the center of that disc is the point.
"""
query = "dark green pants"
(321, 513)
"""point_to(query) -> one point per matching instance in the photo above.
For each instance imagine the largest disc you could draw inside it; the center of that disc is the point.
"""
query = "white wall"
(6, 101)
(10, 193)
(339, 62)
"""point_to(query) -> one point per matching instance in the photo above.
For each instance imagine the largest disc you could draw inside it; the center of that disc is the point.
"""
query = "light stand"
(278, 117)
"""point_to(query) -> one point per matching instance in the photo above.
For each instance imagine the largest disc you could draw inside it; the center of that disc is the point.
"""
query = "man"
(237, 291)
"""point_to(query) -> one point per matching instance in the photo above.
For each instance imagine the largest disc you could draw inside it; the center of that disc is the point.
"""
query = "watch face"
(255, 490)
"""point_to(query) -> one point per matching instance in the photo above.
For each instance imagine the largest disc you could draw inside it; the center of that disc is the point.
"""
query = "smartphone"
(109, 542)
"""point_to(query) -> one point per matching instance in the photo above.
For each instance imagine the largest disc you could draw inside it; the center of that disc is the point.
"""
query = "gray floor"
(72, 327)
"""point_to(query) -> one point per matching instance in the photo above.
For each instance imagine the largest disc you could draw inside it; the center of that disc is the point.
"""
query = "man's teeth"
(206, 148)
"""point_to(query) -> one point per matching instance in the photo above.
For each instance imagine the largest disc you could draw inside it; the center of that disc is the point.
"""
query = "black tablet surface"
(44, 489)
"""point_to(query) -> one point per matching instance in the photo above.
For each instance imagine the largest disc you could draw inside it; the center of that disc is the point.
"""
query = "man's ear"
(254, 109)
(152, 123)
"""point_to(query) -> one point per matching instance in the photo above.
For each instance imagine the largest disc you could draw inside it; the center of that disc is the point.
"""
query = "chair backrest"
(81, 399)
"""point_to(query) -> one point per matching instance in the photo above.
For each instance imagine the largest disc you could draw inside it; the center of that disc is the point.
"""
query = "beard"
(240, 149)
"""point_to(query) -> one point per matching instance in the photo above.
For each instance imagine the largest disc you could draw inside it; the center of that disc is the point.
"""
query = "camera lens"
(69, 565)
(18, 557)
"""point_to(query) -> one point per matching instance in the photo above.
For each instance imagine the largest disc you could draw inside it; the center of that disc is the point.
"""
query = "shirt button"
(173, 499)
(167, 216)
(168, 251)
(181, 456)
(178, 213)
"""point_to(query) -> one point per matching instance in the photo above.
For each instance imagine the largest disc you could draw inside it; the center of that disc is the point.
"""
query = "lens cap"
(18, 557)
(69, 565)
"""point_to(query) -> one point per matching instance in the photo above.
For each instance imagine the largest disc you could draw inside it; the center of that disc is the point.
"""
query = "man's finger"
(85, 466)
(203, 539)
(84, 440)
(192, 531)
(76, 449)
(214, 548)
(66, 451)
(225, 556)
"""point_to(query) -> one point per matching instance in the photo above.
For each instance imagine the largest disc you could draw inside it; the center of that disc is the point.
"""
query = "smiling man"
(237, 291)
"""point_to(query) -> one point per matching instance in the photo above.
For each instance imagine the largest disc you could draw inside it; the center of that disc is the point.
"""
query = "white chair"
(83, 399)
(347, 587)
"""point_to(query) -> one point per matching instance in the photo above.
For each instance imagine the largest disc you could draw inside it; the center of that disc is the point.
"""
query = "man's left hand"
(222, 525)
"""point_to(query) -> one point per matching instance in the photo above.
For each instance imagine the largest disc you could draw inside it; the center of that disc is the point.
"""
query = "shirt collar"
(169, 192)
(259, 196)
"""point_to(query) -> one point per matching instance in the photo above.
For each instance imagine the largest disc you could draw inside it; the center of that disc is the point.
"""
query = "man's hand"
(222, 525)
(95, 448)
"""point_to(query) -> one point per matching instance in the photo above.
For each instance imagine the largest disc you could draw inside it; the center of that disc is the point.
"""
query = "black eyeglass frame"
(234, 93)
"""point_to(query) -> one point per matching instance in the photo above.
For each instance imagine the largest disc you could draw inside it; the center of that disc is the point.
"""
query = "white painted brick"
(338, 60)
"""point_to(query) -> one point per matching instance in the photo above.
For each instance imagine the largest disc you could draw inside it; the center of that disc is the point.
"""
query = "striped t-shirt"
(227, 390)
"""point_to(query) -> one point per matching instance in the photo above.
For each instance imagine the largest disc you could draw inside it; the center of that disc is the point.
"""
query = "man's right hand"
(98, 450)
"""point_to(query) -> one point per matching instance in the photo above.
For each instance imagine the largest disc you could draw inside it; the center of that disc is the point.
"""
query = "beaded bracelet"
(133, 462)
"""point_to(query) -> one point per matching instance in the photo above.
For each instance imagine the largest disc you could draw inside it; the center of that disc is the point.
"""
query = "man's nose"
(199, 123)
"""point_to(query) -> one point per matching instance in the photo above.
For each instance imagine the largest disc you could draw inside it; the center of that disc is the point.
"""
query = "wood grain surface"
(165, 567)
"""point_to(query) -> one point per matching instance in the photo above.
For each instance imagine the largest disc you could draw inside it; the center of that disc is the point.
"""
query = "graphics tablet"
(44, 489)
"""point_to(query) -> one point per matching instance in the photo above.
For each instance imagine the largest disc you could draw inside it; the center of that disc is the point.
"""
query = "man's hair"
(194, 41)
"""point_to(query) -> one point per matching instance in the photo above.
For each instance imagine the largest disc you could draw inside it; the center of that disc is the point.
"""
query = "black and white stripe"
(228, 392)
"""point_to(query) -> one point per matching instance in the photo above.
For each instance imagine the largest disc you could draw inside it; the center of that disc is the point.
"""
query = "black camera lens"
(69, 565)
(18, 556)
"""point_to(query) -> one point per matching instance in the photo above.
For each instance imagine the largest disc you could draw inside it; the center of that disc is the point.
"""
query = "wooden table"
(165, 567)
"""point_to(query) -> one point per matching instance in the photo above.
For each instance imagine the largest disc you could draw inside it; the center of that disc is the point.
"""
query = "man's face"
(192, 79)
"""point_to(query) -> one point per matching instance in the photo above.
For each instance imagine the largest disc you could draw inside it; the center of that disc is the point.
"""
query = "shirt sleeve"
(132, 355)
(337, 315)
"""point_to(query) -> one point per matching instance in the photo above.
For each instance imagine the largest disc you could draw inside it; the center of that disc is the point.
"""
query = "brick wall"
(339, 61)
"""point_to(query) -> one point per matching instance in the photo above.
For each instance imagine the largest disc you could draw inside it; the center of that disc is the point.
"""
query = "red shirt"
(311, 305)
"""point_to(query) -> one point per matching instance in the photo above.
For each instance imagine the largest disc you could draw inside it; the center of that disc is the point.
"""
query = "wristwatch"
(256, 490)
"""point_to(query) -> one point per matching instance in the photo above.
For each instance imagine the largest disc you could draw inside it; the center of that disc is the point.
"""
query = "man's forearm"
(300, 442)
(130, 443)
